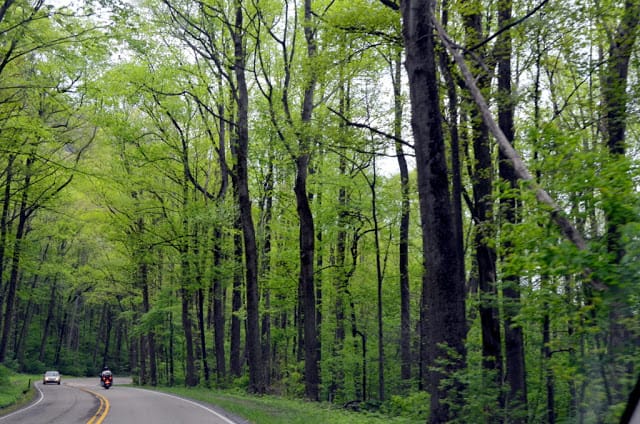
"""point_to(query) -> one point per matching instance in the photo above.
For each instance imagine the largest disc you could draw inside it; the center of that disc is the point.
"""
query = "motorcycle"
(106, 380)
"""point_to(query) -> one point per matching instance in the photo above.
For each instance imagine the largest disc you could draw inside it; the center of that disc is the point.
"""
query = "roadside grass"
(16, 390)
(276, 410)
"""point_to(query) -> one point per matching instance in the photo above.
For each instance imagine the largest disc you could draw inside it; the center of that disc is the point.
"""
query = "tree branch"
(520, 169)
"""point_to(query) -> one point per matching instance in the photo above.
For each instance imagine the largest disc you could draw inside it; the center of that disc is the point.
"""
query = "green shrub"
(33, 366)
(5, 375)
(414, 405)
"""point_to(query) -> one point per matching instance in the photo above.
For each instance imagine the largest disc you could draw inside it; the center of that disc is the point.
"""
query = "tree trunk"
(186, 281)
(18, 354)
(218, 290)
(403, 244)
(265, 268)
(15, 263)
(235, 365)
(307, 288)
(200, 308)
(548, 372)
(336, 387)
(4, 223)
(514, 340)
(615, 99)
(143, 275)
(191, 379)
(443, 279)
(218, 308)
(482, 213)
(307, 230)
(379, 281)
(47, 322)
(241, 144)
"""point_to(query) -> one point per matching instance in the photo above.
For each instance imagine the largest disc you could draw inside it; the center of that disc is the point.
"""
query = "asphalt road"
(83, 401)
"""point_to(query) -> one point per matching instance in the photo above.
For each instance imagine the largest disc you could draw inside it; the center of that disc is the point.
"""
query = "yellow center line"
(103, 409)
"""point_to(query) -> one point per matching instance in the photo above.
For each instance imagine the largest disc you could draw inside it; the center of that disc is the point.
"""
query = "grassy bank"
(275, 410)
(16, 390)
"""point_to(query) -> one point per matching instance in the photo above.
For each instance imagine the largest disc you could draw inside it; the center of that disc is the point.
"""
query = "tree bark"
(403, 244)
(191, 379)
(4, 222)
(218, 308)
(241, 145)
(615, 99)
(265, 268)
(483, 216)
(443, 280)
(143, 275)
(218, 290)
(235, 365)
(15, 262)
(514, 341)
(307, 230)
(47, 322)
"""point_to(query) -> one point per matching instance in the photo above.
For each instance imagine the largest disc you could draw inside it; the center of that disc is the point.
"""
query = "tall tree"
(240, 176)
(482, 210)
(615, 101)
(515, 372)
(443, 308)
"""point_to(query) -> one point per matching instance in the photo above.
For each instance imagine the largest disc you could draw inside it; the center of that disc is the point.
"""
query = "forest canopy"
(427, 208)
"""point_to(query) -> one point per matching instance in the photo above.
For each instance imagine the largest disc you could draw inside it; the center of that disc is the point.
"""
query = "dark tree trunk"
(379, 281)
(514, 339)
(143, 275)
(171, 351)
(200, 295)
(218, 309)
(15, 263)
(18, 354)
(267, 216)
(4, 223)
(615, 99)
(240, 150)
(482, 180)
(548, 372)
(142, 356)
(107, 334)
(47, 322)
(190, 378)
(307, 230)
(336, 386)
(614, 90)
(218, 290)
(307, 288)
(236, 305)
(443, 279)
(186, 276)
(62, 332)
(403, 245)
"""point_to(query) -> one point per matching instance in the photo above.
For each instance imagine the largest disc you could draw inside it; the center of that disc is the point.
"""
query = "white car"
(51, 377)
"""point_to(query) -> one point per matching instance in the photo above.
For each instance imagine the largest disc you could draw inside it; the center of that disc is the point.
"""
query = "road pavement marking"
(28, 407)
(222, 417)
(103, 409)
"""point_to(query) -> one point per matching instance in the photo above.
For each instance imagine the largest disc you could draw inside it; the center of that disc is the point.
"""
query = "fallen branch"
(557, 214)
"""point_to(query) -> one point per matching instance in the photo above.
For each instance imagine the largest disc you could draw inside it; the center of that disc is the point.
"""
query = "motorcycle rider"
(106, 372)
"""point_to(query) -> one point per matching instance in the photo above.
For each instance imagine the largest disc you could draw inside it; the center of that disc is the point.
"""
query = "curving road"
(83, 401)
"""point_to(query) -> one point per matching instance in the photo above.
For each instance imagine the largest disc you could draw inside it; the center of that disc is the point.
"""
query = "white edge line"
(19, 411)
(222, 417)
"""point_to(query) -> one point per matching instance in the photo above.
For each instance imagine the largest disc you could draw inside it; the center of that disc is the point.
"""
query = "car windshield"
(51, 373)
